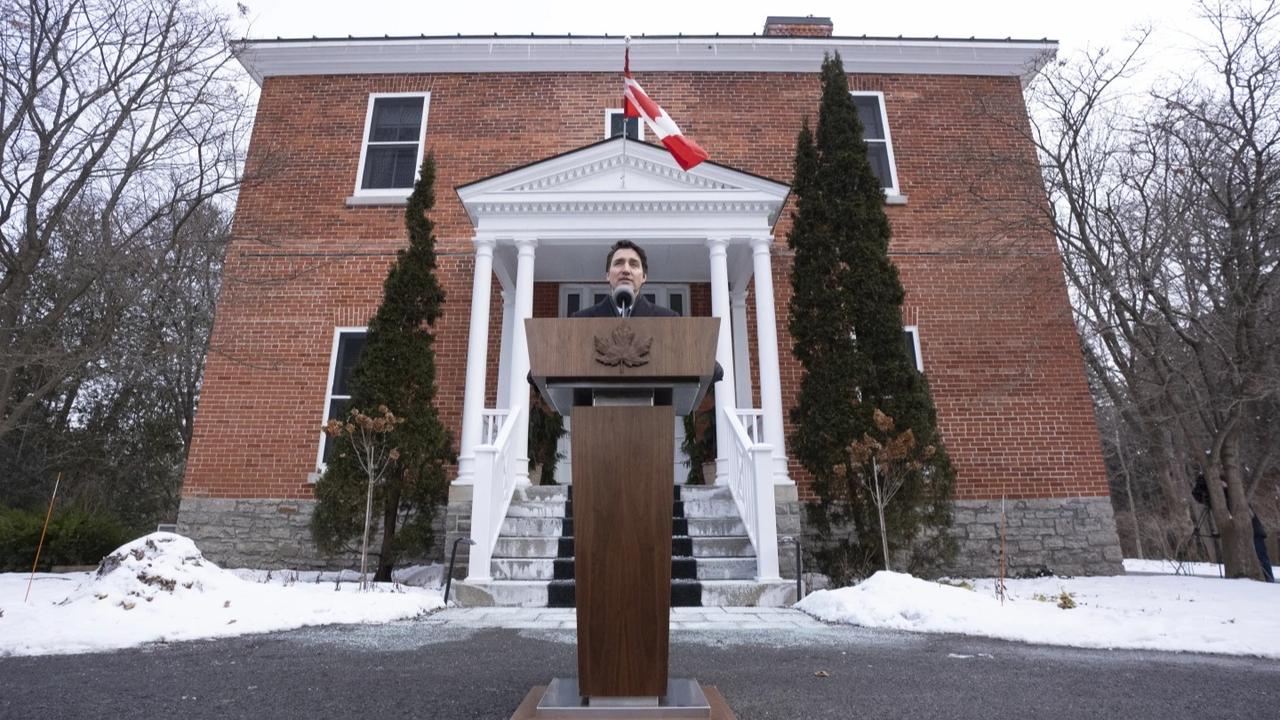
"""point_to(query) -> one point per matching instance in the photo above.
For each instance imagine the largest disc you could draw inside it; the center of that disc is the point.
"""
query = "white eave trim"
(267, 58)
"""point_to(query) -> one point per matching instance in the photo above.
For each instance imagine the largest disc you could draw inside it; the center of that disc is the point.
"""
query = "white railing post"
(494, 484)
(766, 522)
(481, 554)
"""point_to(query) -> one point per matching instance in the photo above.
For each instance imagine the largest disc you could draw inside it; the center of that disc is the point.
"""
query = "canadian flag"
(636, 104)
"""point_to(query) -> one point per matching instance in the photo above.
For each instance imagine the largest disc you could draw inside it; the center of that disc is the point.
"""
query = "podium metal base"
(684, 699)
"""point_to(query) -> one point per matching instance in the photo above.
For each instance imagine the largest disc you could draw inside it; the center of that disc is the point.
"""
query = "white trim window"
(875, 131)
(911, 334)
(613, 120)
(576, 297)
(348, 343)
(395, 127)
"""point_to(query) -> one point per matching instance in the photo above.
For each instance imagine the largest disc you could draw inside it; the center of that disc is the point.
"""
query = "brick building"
(535, 182)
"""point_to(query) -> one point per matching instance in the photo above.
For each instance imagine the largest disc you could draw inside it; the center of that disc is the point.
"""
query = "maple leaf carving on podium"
(622, 347)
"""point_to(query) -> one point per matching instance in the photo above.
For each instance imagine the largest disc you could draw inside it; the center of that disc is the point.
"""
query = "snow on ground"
(159, 588)
(1196, 613)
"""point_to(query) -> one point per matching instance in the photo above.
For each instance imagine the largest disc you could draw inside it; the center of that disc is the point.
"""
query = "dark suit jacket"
(643, 308)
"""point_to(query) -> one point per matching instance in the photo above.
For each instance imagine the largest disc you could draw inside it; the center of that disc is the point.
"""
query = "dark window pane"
(615, 126)
(869, 113)
(650, 297)
(390, 166)
(599, 297)
(337, 411)
(878, 154)
(574, 303)
(349, 347)
(676, 303)
(911, 347)
(396, 120)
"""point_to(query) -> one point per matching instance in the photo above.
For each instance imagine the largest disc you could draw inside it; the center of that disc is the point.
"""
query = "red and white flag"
(638, 105)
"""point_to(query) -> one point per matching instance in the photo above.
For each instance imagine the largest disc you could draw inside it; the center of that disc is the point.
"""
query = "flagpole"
(626, 67)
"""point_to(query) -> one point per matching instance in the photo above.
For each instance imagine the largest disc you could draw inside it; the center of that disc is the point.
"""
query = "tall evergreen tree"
(846, 320)
(396, 369)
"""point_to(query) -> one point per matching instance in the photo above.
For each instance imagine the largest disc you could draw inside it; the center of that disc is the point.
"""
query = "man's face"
(625, 267)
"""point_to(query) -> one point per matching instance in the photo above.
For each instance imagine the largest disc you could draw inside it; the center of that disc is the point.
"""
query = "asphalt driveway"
(434, 669)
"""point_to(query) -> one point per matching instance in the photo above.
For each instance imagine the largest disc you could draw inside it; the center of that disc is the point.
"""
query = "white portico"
(553, 221)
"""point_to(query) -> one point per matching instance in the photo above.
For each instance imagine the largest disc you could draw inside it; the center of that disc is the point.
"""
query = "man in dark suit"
(626, 266)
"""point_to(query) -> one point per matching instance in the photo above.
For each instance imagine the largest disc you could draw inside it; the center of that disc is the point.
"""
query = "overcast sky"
(1075, 23)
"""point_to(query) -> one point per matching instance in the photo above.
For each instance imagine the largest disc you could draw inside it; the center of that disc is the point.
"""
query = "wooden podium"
(622, 381)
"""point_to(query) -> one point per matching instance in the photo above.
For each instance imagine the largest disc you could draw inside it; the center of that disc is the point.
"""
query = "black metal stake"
(448, 580)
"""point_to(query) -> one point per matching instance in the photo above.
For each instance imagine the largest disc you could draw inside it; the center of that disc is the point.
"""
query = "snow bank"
(159, 588)
(1176, 613)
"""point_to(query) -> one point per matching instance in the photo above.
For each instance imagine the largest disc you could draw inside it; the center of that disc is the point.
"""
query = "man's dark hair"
(627, 245)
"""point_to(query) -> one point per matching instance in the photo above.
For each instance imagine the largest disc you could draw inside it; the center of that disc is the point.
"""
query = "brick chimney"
(776, 26)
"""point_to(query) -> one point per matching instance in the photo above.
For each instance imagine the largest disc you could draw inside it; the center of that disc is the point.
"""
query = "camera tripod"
(1201, 520)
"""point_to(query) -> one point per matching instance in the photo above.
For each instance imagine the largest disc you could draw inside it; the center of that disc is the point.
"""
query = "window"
(911, 334)
(395, 126)
(348, 342)
(576, 297)
(875, 130)
(613, 121)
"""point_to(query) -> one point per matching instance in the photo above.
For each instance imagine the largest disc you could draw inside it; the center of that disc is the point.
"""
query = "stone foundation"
(1068, 536)
(266, 534)
(1065, 536)
(457, 524)
(786, 503)
(1074, 536)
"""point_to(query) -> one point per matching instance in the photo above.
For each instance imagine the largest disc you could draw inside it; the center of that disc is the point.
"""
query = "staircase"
(712, 560)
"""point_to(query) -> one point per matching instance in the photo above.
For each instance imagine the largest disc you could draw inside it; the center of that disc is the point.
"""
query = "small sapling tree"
(368, 438)
(882, 465)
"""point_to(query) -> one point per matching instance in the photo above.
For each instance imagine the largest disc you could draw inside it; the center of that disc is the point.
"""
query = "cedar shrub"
(846, 321)
(396, 369)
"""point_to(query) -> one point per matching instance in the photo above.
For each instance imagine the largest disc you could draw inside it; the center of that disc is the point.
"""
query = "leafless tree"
(1167, 211)
(122, 129)
(121, 122)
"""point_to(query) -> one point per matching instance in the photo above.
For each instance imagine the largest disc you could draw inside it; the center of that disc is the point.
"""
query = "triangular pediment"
(602, 177)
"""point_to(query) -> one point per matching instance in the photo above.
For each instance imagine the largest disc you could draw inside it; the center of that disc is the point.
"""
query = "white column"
(504, 351)
(741, 352)
(725, 399)
(767, 345)
(518, 392)
(477, 360)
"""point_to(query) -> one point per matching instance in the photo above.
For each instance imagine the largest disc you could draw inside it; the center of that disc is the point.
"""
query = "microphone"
(624, 298)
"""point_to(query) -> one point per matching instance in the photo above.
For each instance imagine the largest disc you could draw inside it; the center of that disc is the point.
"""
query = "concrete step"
(717, 526)
(541, 492)
(748, 593)
(699, 547)
(738, 546)
(726, 568)
(545, 527)
(714, 593)
(713, 508)
(705, 492)
(546, 569)
(554, 527)
(526, 547)
(505, 593)
(537, 508)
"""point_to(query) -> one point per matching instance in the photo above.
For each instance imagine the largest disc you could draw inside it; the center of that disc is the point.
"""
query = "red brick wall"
(981, 275)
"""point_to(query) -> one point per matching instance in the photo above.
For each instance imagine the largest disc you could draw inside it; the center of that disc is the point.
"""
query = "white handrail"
(751, 482)
(495, 482)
